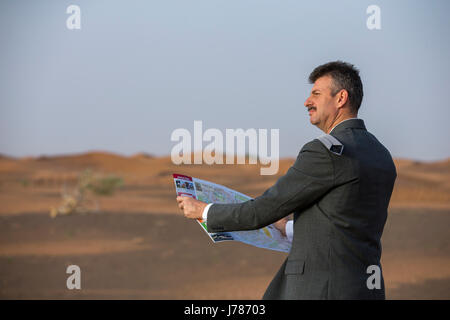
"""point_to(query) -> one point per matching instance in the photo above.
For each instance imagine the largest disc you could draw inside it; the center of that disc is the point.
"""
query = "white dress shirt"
(290, 224)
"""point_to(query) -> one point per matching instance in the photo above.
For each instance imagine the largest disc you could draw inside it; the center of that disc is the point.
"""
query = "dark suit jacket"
(340, 207)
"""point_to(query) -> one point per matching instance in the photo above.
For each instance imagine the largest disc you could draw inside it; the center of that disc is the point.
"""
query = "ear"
(342, 98)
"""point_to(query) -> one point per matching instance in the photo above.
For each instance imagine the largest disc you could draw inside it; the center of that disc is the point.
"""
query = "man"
(339, 190)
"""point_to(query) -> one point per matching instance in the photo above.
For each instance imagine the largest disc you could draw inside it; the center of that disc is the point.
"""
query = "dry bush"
(82, 198)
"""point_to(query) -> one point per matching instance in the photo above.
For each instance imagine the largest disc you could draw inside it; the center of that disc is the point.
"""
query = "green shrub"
(105, 186)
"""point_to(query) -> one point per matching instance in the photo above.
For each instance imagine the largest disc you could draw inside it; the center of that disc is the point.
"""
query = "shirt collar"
(340, 123)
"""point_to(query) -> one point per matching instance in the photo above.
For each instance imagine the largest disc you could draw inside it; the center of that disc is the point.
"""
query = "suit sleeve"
(311, 177)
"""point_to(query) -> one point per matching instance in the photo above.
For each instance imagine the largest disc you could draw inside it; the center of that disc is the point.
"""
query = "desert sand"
(135, 243)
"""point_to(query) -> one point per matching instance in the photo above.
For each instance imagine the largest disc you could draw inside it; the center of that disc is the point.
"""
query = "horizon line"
(150, 155)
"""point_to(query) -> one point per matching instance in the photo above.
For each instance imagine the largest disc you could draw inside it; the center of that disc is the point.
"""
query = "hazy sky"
(138, 70)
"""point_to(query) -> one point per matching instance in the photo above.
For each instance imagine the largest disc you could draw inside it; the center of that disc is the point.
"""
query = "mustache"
(312, 108)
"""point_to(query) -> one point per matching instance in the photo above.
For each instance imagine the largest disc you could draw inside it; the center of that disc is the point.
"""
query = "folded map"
(268, 237)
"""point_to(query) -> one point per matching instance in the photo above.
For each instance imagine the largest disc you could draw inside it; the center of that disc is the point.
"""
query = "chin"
(313, 121)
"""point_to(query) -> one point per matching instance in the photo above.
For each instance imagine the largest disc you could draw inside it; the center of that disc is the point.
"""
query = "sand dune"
(34, 184)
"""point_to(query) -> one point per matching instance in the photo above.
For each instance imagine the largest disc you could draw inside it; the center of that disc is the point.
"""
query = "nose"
(308, 102)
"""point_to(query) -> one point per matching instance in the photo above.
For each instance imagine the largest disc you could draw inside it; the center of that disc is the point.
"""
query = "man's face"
(322, 107)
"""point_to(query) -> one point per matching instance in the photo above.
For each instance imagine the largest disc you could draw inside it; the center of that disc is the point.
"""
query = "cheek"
(325, 107)
(320, 106)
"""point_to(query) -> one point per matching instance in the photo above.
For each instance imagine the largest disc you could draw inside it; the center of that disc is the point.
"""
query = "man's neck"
(339, 120)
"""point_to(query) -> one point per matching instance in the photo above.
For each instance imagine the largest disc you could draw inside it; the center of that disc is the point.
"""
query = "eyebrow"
(315, 91)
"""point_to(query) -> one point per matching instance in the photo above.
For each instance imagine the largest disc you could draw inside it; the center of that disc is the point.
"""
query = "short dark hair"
(345, 76)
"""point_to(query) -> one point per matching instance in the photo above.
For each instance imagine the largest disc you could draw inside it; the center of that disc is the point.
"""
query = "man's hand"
(280, 225)
(192, 208)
